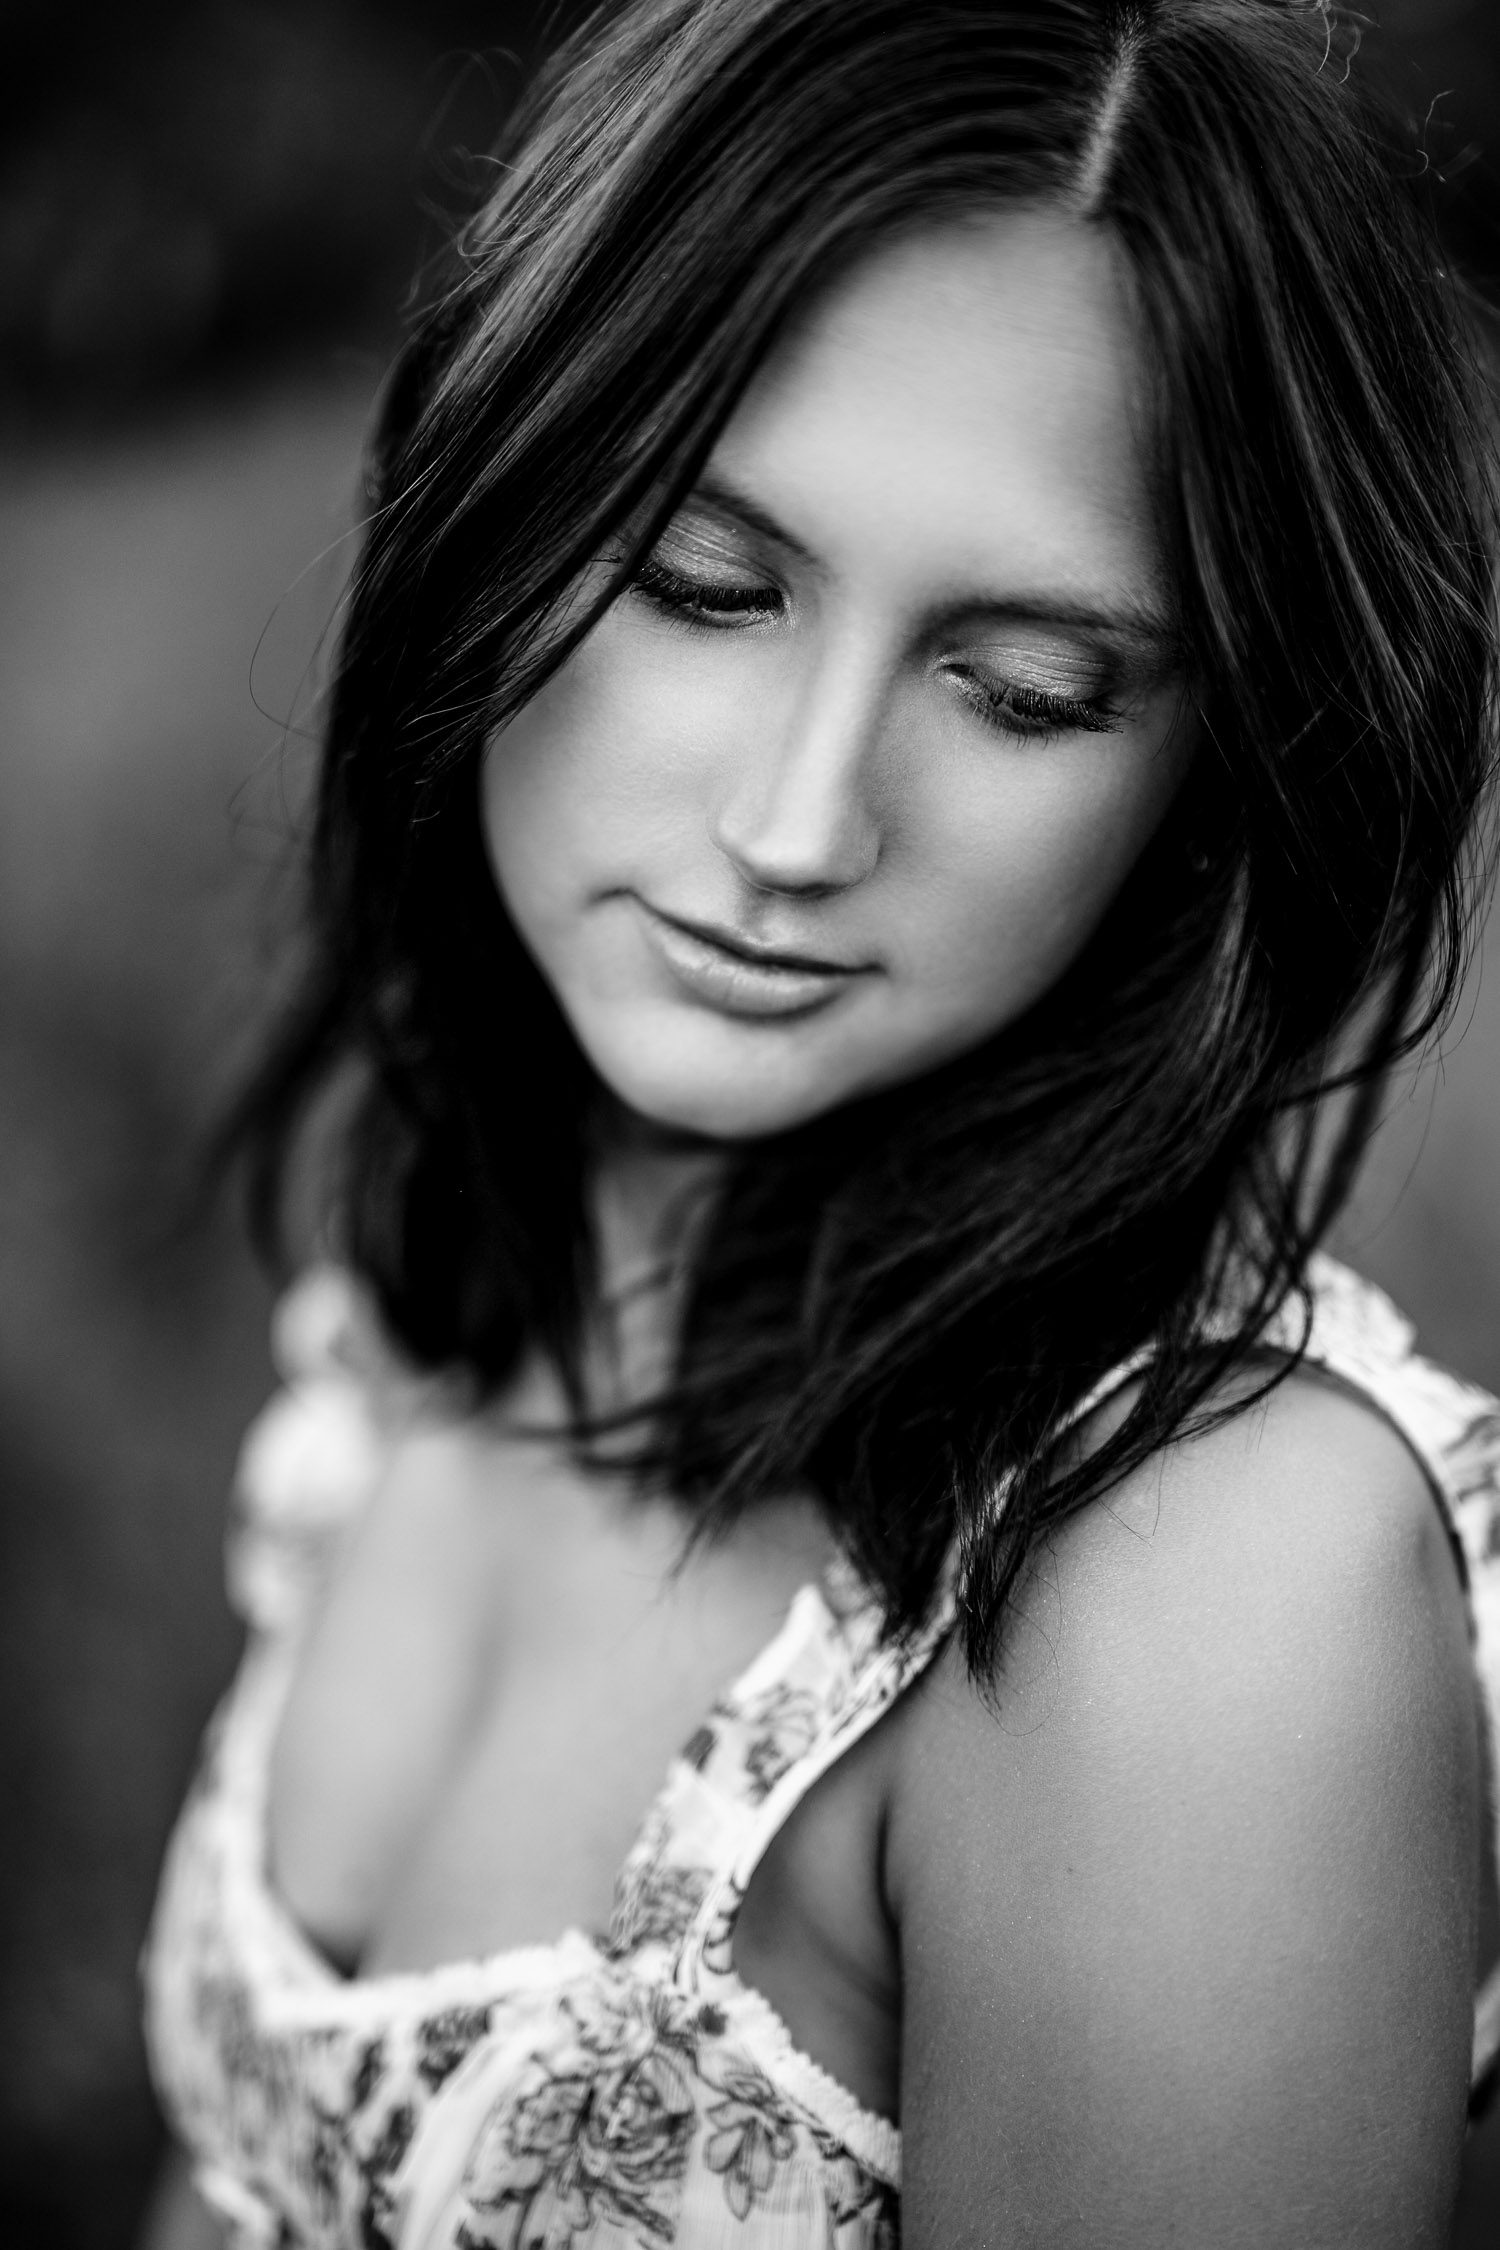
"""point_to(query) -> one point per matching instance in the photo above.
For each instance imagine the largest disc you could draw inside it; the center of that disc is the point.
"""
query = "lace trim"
(757, 2026)
(871, 1675)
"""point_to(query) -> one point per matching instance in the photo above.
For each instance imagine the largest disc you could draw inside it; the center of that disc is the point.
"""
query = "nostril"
(785, 887)
(797, 841)
(789, 868)
(797, 814)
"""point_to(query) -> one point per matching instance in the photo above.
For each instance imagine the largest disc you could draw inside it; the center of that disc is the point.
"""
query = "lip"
(728, 972)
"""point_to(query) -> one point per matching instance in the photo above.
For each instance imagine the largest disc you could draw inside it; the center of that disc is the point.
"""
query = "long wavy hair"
(895, 1305)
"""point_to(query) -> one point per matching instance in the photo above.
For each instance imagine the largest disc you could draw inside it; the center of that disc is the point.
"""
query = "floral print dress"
(610, 2089)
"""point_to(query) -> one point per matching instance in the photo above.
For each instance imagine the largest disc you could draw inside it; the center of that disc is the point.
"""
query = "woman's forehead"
(964, 402)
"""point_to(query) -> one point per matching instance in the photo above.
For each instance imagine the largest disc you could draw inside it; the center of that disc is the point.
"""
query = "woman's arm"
(1187, 1912)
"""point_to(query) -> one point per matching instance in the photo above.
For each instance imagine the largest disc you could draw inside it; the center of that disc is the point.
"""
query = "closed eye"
(1032, 713)
(714, 603)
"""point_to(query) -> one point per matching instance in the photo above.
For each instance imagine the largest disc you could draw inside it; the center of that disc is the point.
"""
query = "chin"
(747, 1103)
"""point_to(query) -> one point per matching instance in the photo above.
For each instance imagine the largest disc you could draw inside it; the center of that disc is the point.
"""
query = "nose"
(798, 812)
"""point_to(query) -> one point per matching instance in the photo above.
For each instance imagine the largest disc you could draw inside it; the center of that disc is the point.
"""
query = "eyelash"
(1032, 713)
(1027, 712)
(699, 601)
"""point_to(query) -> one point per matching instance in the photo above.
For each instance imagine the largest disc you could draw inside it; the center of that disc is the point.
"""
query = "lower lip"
(719, 979)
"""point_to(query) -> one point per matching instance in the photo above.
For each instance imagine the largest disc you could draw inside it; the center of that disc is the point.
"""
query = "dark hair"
(895, 1304)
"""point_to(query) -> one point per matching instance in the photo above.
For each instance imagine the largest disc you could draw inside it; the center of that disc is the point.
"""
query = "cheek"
(584, 762)
(1016, 886)
(523, 813)
(619, 751)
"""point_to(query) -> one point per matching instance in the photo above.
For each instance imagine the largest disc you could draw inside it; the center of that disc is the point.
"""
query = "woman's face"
(846, 779)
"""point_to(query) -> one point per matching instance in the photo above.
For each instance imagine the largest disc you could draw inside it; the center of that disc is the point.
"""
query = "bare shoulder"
(1287, 1569)
(1296, 1546)
(1188, 1896)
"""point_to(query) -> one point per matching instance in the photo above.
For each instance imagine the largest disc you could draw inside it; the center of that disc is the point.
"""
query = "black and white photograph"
(750, 1125)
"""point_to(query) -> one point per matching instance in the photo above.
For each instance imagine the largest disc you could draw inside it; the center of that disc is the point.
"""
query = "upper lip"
(746, 949)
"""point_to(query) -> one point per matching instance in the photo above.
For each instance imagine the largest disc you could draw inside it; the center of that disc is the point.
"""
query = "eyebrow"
(1147, 629)
(721, 494)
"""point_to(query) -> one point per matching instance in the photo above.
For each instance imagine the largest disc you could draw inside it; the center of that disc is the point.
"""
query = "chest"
(503, 1663)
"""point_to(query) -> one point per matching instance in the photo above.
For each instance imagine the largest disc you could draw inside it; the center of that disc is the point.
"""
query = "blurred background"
(209, 218)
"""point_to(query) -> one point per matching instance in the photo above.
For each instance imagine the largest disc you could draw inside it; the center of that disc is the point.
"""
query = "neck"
(650, 1191)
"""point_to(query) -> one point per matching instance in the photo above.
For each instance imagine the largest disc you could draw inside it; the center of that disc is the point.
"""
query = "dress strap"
(820, 1682)
(783, 1731)
(784, 1735)
(316, 1451)
(1452, 1428)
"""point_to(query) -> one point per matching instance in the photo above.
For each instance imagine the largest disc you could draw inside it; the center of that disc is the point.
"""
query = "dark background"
(209, 216)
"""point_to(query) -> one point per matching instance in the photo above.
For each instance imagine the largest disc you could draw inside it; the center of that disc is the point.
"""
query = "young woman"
(850, 1628)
